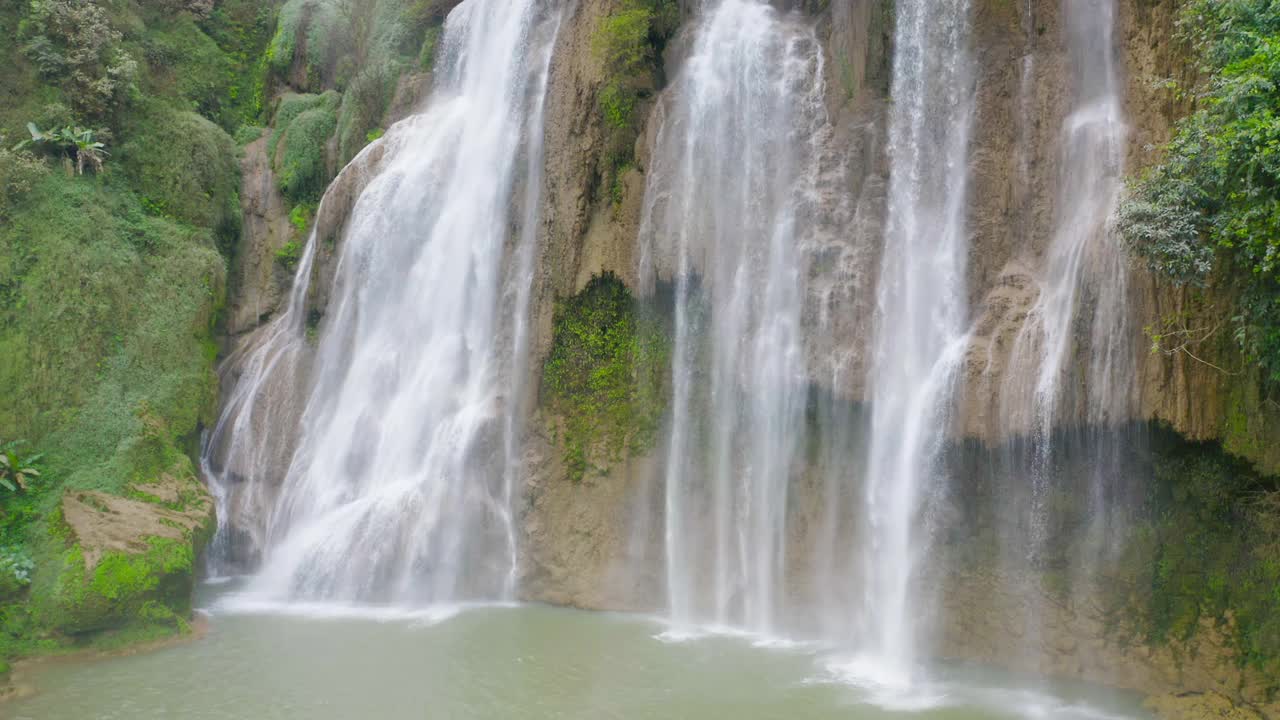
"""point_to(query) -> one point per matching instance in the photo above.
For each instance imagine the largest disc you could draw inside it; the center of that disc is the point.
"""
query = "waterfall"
(401, 484)
(1081, 248)
(731, 166)
(1071, 364)
(920, 332)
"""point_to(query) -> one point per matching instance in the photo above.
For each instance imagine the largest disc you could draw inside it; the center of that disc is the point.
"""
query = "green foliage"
(303, 167)
(628, 43)
(87, 360)
(1212, 207)
(304, 124)
(17, 473)
(110, 287)
(363, 105)
(618, 189)
(242, 30)
(74, 45)
(19, 172)
(617, 104)
(77, 143)
(430, 44)
(606, 374)
(16, 566)
(621, 41)
(1211, 550)
(184, 62)
(300, 217)
(186, 168)
(121, 588)
(289, 255)
(248, 133)
(322, 43)
(289, 25)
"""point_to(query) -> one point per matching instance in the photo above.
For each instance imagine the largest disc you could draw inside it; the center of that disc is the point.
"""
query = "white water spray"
(731, 167)
(920, 334)
(1064, 373)
(400, 489)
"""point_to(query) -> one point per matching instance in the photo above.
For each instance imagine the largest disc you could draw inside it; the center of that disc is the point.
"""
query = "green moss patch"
(628, 44)
(607, 375)
(304, 124)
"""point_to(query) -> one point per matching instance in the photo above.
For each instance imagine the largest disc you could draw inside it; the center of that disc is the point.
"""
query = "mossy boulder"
(299, 145)
(125, 561)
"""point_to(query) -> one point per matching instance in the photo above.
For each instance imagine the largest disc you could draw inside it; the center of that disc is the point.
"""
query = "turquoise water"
(316, 663)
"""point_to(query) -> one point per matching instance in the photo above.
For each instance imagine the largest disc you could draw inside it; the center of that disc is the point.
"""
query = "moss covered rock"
(606, 376)
(298, 147)
(125, 561)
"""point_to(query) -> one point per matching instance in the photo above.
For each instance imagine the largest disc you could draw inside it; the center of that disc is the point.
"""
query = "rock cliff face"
(591, 544)
(1082, 638)
(1023, 92)
(258, 283)
(597, 542)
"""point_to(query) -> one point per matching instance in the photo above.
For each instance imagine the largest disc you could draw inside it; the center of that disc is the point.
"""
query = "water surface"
(529, 662)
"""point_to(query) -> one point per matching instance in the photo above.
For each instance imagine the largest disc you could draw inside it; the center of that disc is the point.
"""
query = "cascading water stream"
(921, 319)
(400, 488)
(730, 168)
(1060, 374)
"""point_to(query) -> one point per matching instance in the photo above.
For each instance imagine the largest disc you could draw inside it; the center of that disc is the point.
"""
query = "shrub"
(628, 44)
(110, 312)
(72, 43)
(315, 34)
(621, 44)
(16, 567)
(17, 473)
(76, 143)
(1207, 549)
(186, 62)
(430, 43)
(300, 217)
(289, 255)
(1212, 207)
(304, 124)
(248, 133)
(19, 172)
(197, 8)
(186, 168)
(363, 106)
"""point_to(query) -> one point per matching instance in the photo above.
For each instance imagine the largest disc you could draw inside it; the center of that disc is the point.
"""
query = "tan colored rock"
(258, 284)
(102, 523)
(584, 543)
(126, 561)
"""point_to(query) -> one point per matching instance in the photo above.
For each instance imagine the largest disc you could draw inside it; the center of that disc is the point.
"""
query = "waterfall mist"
(1065, 479)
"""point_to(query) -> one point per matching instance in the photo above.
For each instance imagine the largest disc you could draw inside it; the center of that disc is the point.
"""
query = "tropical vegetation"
(1209, 213)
